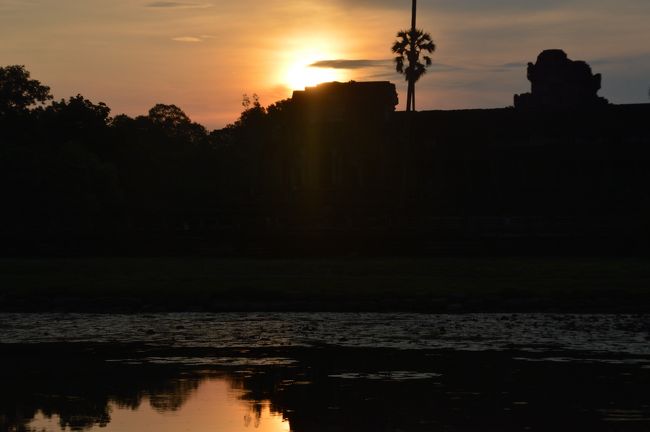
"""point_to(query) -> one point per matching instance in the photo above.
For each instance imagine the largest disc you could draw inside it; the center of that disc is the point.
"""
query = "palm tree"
(408, 46)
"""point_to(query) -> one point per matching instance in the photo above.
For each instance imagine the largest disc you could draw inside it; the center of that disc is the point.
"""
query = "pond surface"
(213, 405)
(621, 334)
(324, 371)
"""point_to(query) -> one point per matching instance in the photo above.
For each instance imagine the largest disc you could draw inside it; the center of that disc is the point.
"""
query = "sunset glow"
(202, 56)
(301, 75)
(296, 66)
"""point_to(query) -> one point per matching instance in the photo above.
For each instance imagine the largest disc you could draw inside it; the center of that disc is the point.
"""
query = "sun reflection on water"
(215, 406)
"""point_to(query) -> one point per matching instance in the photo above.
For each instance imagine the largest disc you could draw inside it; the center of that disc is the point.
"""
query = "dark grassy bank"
(354, 284)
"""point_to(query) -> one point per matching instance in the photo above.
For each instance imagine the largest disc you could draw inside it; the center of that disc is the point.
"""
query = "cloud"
(443, 67)
(386, 63)
(616, 60)
(191, 39)
(503, 67)
(349, 64)
(176, 5)
(512, 65)
(494, 6)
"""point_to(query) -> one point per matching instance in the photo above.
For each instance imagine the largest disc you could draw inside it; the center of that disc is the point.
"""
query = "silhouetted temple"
(345, 165)
(337, 101)
(559, 83)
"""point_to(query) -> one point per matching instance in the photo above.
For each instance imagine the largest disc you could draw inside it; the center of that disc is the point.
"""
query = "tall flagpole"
(413, 15)
(410, 103)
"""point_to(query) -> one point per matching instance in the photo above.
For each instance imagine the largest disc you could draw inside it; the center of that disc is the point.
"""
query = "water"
(324, 371)
(214, 405)
(600, 333)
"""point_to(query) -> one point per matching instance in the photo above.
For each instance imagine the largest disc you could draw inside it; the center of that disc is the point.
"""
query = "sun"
(298, 71)
(300, 75)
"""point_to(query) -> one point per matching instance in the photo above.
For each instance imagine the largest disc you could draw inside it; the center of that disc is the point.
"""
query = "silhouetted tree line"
(75, 178)
(69, 171)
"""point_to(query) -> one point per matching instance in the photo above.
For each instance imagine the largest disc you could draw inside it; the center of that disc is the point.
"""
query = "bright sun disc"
(301, 75)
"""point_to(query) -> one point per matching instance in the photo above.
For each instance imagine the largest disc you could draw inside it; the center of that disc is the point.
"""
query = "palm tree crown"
(408, 47)
(407, 61)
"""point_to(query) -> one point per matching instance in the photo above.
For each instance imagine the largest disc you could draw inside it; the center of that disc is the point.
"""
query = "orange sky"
(203, 55)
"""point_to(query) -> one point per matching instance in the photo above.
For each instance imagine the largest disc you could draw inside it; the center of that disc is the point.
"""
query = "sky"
(203, 55)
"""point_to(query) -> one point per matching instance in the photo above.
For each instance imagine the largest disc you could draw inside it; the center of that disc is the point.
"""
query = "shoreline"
(428, 285)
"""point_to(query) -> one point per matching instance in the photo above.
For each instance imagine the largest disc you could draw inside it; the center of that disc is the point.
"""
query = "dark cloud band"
(175, 5)
(349, 64)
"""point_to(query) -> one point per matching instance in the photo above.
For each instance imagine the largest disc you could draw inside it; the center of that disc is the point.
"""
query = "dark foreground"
(472, 284)
(533, 372)
(329, 389)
